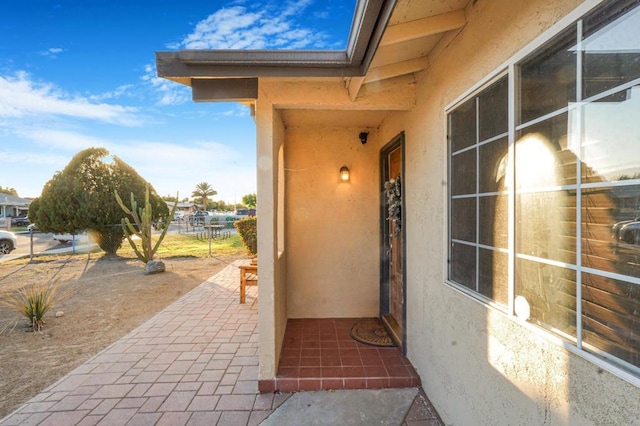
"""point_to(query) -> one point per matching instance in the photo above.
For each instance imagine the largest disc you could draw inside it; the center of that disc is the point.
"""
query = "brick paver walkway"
(196, 362)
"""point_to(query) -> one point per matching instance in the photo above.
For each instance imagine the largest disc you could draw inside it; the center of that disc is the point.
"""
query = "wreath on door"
(393, 193)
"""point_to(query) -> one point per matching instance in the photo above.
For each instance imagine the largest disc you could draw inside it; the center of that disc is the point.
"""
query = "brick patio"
(195, 363)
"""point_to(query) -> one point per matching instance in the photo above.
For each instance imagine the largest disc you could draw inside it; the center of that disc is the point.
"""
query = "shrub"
(248, 230)
(34, 301)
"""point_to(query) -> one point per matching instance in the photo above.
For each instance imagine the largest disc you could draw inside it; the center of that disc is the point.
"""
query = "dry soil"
(110, 297)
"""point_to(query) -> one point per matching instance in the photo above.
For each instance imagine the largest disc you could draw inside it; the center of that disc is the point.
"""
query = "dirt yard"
(110, 298)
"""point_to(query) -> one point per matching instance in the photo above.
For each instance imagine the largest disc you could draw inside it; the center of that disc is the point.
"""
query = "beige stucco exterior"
(319, 238)
(332, 243)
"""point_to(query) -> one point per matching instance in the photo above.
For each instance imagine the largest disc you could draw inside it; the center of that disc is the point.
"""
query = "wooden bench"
(248, 277)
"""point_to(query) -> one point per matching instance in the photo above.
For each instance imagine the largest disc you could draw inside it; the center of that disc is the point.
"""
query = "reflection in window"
(550, 291)
(494, 216)
(611, 51)
(548, 78)
(493, 110)
(493, 279)
(542, 157)
(611, 141)
(608, 307)
(492, 173)
(611, 229)
(575, 204)
(541, 228)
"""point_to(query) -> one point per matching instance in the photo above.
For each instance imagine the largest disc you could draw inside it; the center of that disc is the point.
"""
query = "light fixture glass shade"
(344, 173)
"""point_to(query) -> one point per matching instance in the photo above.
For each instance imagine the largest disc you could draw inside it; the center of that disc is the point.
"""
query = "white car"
(178, 215)
(67, 238)
(8, 242)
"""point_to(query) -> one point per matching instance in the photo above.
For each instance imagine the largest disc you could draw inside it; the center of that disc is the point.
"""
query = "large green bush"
(80, 197)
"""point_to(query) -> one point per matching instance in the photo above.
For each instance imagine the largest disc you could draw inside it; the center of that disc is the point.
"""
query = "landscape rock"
(59, 314)
(154, 267)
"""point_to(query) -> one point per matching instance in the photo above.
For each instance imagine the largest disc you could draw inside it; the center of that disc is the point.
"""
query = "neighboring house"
(187, 208)
(508, 122)
(11, 206)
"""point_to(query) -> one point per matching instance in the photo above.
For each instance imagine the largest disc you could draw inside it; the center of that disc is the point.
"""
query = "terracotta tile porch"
(319, 354)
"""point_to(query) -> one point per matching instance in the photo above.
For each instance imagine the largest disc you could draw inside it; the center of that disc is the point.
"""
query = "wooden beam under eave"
(397, 69)
(354, 85)
(423, 27)
(224, 89)
(323, 95)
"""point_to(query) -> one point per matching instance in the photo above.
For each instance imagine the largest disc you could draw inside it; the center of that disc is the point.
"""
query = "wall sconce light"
(363, 137)
(344, 174)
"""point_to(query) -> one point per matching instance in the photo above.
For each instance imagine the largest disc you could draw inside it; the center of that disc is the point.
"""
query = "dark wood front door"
(392, 286)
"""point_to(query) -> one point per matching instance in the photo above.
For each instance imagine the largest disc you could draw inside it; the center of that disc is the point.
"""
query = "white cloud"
(52, 52)
(237, 110)
(21, 97)
(170, 167)
(255, 27)
(114, 94)
(168, 92)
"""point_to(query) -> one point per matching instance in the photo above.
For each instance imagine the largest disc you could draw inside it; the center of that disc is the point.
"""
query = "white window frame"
(509, 68)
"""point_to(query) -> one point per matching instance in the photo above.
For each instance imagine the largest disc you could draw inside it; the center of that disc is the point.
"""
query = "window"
(548, 210)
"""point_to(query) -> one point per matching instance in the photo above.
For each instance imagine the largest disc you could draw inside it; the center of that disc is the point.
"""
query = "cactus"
(141, 226)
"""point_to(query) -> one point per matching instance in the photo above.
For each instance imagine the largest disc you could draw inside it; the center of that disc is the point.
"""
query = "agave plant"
(35, 301)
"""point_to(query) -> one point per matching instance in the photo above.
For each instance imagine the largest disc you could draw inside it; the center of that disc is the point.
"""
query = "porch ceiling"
(413, 31)
(333, 118)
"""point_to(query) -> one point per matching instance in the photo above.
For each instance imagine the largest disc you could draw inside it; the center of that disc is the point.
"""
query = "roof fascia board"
(169, 65)
(374, 39)
(267, 57)
(364, 21)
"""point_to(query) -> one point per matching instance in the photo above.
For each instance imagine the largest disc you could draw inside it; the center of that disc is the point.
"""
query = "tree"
(81, 198)
(7, 190)
(203, 191)
(250, 200)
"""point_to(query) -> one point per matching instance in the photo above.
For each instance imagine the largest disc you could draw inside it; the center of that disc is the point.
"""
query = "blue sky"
(81, 73)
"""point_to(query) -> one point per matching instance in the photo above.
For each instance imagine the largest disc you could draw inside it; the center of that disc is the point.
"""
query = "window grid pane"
(565, 154)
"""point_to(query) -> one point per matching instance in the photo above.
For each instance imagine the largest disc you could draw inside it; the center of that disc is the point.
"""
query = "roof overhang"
(212, 73)
(390, 41)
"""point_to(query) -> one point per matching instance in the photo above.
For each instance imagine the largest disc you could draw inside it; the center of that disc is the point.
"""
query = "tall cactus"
(141, 226)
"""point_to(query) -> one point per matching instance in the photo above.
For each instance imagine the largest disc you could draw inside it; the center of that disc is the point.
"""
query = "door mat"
(370, 331)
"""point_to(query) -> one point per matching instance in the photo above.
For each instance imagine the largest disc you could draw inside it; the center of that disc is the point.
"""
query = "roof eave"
(369, 23)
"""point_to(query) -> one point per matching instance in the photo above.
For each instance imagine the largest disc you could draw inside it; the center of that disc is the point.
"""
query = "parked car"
(8, 242)
(627, 231)
(67, 238)
(200, 218)
(178, 215)
(20, 221)
(245, 212)
(630, 233)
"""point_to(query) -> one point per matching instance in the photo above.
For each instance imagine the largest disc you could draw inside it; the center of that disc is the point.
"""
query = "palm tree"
(204, 191)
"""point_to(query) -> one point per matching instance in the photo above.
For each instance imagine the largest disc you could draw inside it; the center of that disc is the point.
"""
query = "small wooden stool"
(248, 276)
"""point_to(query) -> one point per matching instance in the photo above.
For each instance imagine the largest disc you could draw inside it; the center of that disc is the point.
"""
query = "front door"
(392, 286)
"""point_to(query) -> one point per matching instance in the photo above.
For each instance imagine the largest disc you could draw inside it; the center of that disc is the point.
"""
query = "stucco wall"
(332, 240)
(477, 365)
(271, 264)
